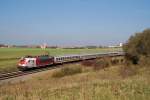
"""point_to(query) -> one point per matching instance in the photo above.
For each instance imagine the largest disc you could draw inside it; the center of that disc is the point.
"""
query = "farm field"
(9, 56)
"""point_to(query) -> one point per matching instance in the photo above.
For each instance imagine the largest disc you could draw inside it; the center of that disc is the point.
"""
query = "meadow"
(88, 84)
(9, 56)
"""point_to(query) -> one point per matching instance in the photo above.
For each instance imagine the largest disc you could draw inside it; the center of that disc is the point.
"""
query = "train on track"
(29, 62)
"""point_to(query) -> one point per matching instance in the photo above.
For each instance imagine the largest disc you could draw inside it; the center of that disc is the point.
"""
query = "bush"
(88, 63)
(114, 61)
(96, 64)
(67, 71)
(137, 46)
(100, 64)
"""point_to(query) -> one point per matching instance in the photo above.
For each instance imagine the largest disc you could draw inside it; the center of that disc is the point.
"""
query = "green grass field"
(8, 56)
(6, 53)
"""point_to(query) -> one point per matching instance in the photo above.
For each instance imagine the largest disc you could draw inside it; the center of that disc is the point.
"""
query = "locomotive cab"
(29, 62)
(25, 63)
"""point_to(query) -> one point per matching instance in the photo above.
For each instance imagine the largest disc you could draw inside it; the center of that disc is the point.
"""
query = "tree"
(137, 46)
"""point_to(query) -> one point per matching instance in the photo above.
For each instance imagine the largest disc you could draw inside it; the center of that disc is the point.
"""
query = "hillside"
(104, 84)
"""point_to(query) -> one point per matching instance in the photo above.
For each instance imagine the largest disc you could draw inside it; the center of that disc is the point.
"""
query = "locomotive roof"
(29, 56)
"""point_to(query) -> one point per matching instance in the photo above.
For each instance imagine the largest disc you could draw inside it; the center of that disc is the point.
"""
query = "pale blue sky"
(72, 22)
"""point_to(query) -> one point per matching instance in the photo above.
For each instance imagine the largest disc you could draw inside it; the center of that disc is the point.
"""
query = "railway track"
(9, 75)
(14, 74)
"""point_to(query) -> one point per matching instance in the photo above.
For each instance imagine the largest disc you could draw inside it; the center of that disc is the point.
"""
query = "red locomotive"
(35, 61)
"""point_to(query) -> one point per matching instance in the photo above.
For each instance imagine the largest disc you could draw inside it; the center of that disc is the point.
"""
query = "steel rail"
(21, 73)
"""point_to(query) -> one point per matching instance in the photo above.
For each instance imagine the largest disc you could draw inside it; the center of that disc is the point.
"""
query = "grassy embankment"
(8, 56)
(81, 82)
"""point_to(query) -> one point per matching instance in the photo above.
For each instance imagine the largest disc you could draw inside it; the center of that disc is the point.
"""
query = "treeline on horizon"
(54, 47)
